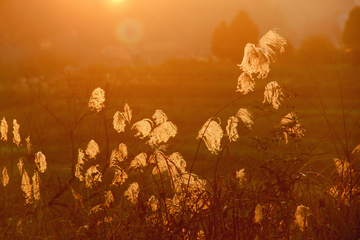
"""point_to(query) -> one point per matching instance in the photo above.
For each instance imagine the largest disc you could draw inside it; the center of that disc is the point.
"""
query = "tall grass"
(125, 182)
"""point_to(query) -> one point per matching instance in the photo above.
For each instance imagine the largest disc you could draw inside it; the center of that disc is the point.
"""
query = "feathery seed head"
(4, 129)
(142, 128)
(139, 161)
(92, 176)
(258, 213)
(92, 149)
(245, 84)
(28, 144)
(40, 161)
(211, 133)
(5, 177)
(245, 116)
(26, 187)
(162, 133)
(109, 198)
(16, 133)
(231, 129)
(132, 193)
(159, 117)
(119, 177)
(36, 185)
(273, 93)
(301, 215)
(97, 100)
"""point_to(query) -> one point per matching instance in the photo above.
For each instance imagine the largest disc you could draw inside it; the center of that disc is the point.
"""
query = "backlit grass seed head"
(132, 193)
(139, 161)
(16, 133)
(97, 100)
(159, 117)
(153, 203)
(20, 166)
(142, 128)
(240, 176)
(92, 149)
(255, 62)
(119, 122)
(211, 133)
(28, 144)
(162, 133)
(92, 176)
(5, 177)
(258, 214)
(119, 177)
(301, 215)
(245, 84)
(342, 167)
(95, 209)
(272, 94)
(231, 129)
(26, 187)
(272, 42)
(36, 185)
(40, 161)
(127, 113)
(245, 116)
(4, 129)
(78, 168)
(291, 127)
(109, 198)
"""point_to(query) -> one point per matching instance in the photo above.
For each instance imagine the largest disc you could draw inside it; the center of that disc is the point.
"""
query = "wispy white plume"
(109, 198)
(4, 129)
(255, 62)
(270, 43)
(291, 127)
(26, 187)
(119, 122)
(97, 100)
(78, 168)
(132, 193)
(28, 144)
(273, 93)
(301, 216)
(5, 177)
(231, 129)
(142, 128)
(36, 185)
(246, 84)
(212, 133)
(139, 161)
(245, 116)
(40, 161)
(20, 166)
(162, 133)
(92, 176)
(119, 177)
(159, 117)
(16, 133)
(92, 149)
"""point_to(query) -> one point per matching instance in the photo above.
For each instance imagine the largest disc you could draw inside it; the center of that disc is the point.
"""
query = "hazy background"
(80, 32)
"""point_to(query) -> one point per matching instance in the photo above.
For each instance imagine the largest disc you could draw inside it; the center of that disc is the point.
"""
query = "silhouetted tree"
(351, 34)
(317, 49)
(218, 41)
(228, 42)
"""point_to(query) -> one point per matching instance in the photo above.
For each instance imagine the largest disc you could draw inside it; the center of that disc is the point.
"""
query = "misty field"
(175, 152)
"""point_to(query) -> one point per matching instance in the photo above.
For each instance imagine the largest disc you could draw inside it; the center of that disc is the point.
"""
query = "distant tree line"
(229, 40)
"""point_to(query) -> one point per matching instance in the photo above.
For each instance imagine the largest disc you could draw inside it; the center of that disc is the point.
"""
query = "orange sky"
(113, 32)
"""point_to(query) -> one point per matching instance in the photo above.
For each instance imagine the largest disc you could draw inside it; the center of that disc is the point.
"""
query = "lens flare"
(129, 31)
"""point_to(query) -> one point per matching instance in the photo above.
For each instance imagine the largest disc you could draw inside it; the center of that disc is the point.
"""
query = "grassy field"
(279, 177)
